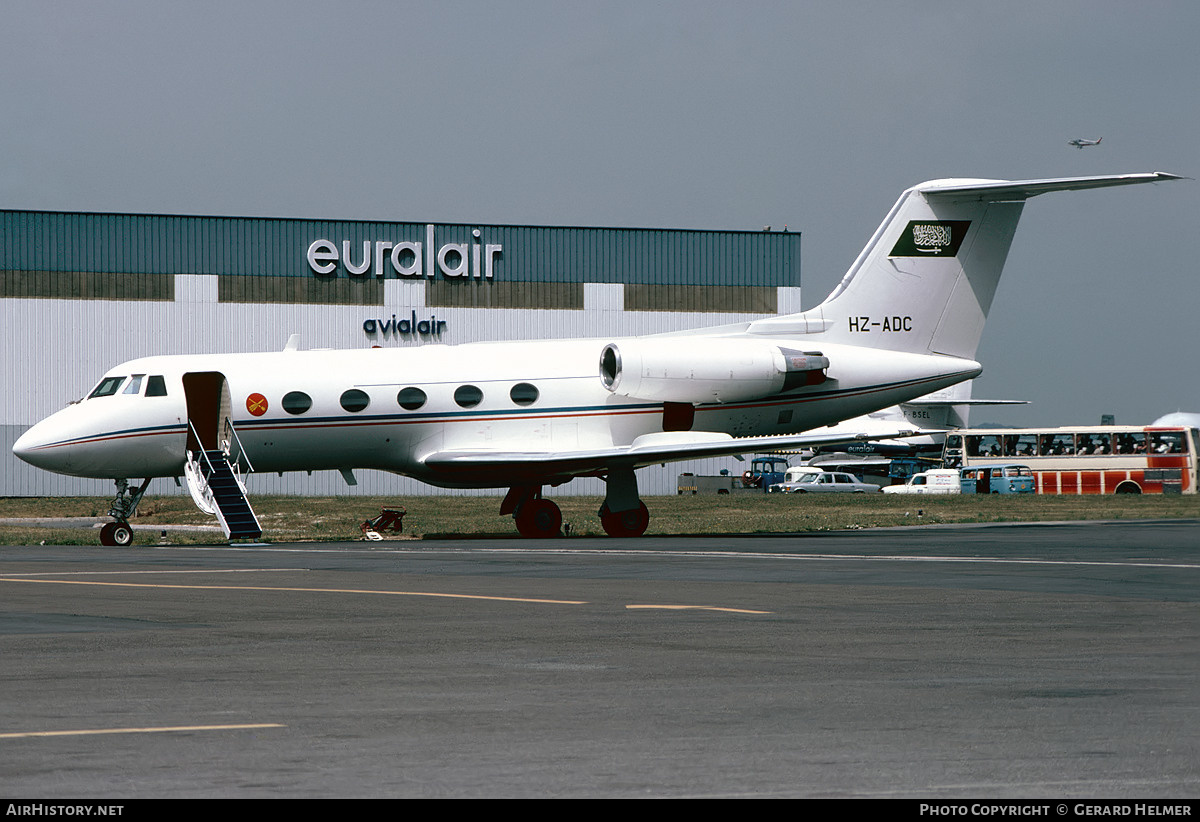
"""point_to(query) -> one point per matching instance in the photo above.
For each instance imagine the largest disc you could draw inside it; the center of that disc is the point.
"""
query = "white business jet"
(904, 321)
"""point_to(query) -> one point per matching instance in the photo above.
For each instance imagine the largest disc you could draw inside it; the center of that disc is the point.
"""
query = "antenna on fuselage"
(293, 343)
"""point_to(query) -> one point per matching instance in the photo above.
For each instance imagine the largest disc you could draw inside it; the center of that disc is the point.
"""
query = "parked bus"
(1109, 459)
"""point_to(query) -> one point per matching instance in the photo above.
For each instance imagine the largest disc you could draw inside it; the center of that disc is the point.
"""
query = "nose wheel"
(116, 533)
(123, 508)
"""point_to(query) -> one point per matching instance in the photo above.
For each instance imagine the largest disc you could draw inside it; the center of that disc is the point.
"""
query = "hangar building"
(81, 292)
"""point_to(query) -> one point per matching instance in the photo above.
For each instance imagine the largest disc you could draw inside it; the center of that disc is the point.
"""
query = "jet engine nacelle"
(706, 369)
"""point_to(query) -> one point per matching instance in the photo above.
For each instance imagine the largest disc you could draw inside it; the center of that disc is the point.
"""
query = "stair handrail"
(200, 443)
(241, 449)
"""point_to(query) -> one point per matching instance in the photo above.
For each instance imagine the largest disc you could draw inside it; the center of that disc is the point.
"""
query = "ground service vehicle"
(1098, 459)
(937, 481)
(998, 479)
(764, 473)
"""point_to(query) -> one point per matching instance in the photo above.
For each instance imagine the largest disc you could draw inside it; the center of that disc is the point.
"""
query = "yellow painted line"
(294, 590)
(695, 608)
(174, 729)
(158, 572)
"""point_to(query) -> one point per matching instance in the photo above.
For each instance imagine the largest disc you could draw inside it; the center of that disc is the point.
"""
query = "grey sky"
(681, 114)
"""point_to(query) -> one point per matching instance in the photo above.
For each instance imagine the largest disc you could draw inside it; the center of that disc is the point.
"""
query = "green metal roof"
(173, 244)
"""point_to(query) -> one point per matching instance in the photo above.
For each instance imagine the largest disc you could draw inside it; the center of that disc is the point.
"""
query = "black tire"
(539, 519)
(626, 523)
(116, 534)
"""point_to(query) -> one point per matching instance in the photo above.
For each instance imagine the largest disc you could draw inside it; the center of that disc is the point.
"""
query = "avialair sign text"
(382, 258)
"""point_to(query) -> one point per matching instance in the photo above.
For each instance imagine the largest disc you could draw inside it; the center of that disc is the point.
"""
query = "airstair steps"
(233, 510)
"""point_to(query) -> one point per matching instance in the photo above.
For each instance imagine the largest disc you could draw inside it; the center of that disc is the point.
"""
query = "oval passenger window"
(411, 399)
(355, 400)
(523, 394)
(296, 402)
(468, 396)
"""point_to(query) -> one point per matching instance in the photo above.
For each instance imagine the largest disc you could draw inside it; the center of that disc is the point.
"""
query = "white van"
(937, 481)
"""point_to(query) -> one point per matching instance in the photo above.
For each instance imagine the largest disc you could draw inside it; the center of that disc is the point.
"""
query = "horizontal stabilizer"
(1003, 190)
(945, 403)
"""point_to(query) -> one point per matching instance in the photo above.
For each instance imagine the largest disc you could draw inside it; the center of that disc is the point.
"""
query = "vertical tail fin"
(925, 281)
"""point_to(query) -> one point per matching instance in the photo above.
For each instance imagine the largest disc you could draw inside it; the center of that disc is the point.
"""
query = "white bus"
(1101, 459)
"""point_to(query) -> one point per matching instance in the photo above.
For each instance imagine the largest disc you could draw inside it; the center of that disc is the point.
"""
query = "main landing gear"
(122, 510)
(630, 523)
(623, 514)
(536, 517)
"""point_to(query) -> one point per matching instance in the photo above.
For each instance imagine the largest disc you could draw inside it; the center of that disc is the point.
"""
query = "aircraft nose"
(38, 447)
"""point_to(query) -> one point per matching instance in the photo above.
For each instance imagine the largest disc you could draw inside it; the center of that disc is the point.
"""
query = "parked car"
(792, 478)
(936, 481)
(833, 482)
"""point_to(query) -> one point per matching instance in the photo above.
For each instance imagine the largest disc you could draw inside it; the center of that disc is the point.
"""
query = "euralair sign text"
(383, 258)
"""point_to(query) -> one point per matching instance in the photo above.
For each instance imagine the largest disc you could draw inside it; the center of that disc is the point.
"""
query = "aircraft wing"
(512, 467)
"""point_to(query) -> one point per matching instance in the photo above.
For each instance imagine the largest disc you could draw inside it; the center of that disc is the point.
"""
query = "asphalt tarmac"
(1034, 661)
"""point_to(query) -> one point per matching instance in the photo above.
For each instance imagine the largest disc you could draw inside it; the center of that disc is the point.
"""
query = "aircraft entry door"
(209, 407)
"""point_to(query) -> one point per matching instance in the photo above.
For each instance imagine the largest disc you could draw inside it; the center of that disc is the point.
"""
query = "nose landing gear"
(124, 506)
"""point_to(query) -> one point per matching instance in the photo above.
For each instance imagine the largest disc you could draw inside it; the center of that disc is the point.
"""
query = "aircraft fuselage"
(527, 396)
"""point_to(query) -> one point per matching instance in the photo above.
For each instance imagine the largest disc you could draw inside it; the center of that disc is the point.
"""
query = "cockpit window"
(135, 384)
(156, 386)
(107, 387)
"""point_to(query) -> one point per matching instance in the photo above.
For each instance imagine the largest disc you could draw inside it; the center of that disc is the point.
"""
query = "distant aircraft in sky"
(905, 321)
(1082, 143)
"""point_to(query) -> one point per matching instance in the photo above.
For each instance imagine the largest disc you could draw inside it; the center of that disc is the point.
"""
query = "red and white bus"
(1101, 459)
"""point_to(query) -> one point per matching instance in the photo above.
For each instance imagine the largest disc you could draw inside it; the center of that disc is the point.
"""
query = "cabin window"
(1056, 445)
(523, 394)
(1167, 442)
(354, 400)
(1093, 444)
(989, 445)
(410, 398)
(107, 387)
(296, 402)
(1131, 443)
(468, 396)
(156, 386)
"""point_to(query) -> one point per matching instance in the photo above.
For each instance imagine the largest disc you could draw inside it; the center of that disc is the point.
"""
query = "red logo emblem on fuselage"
(256, 404)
